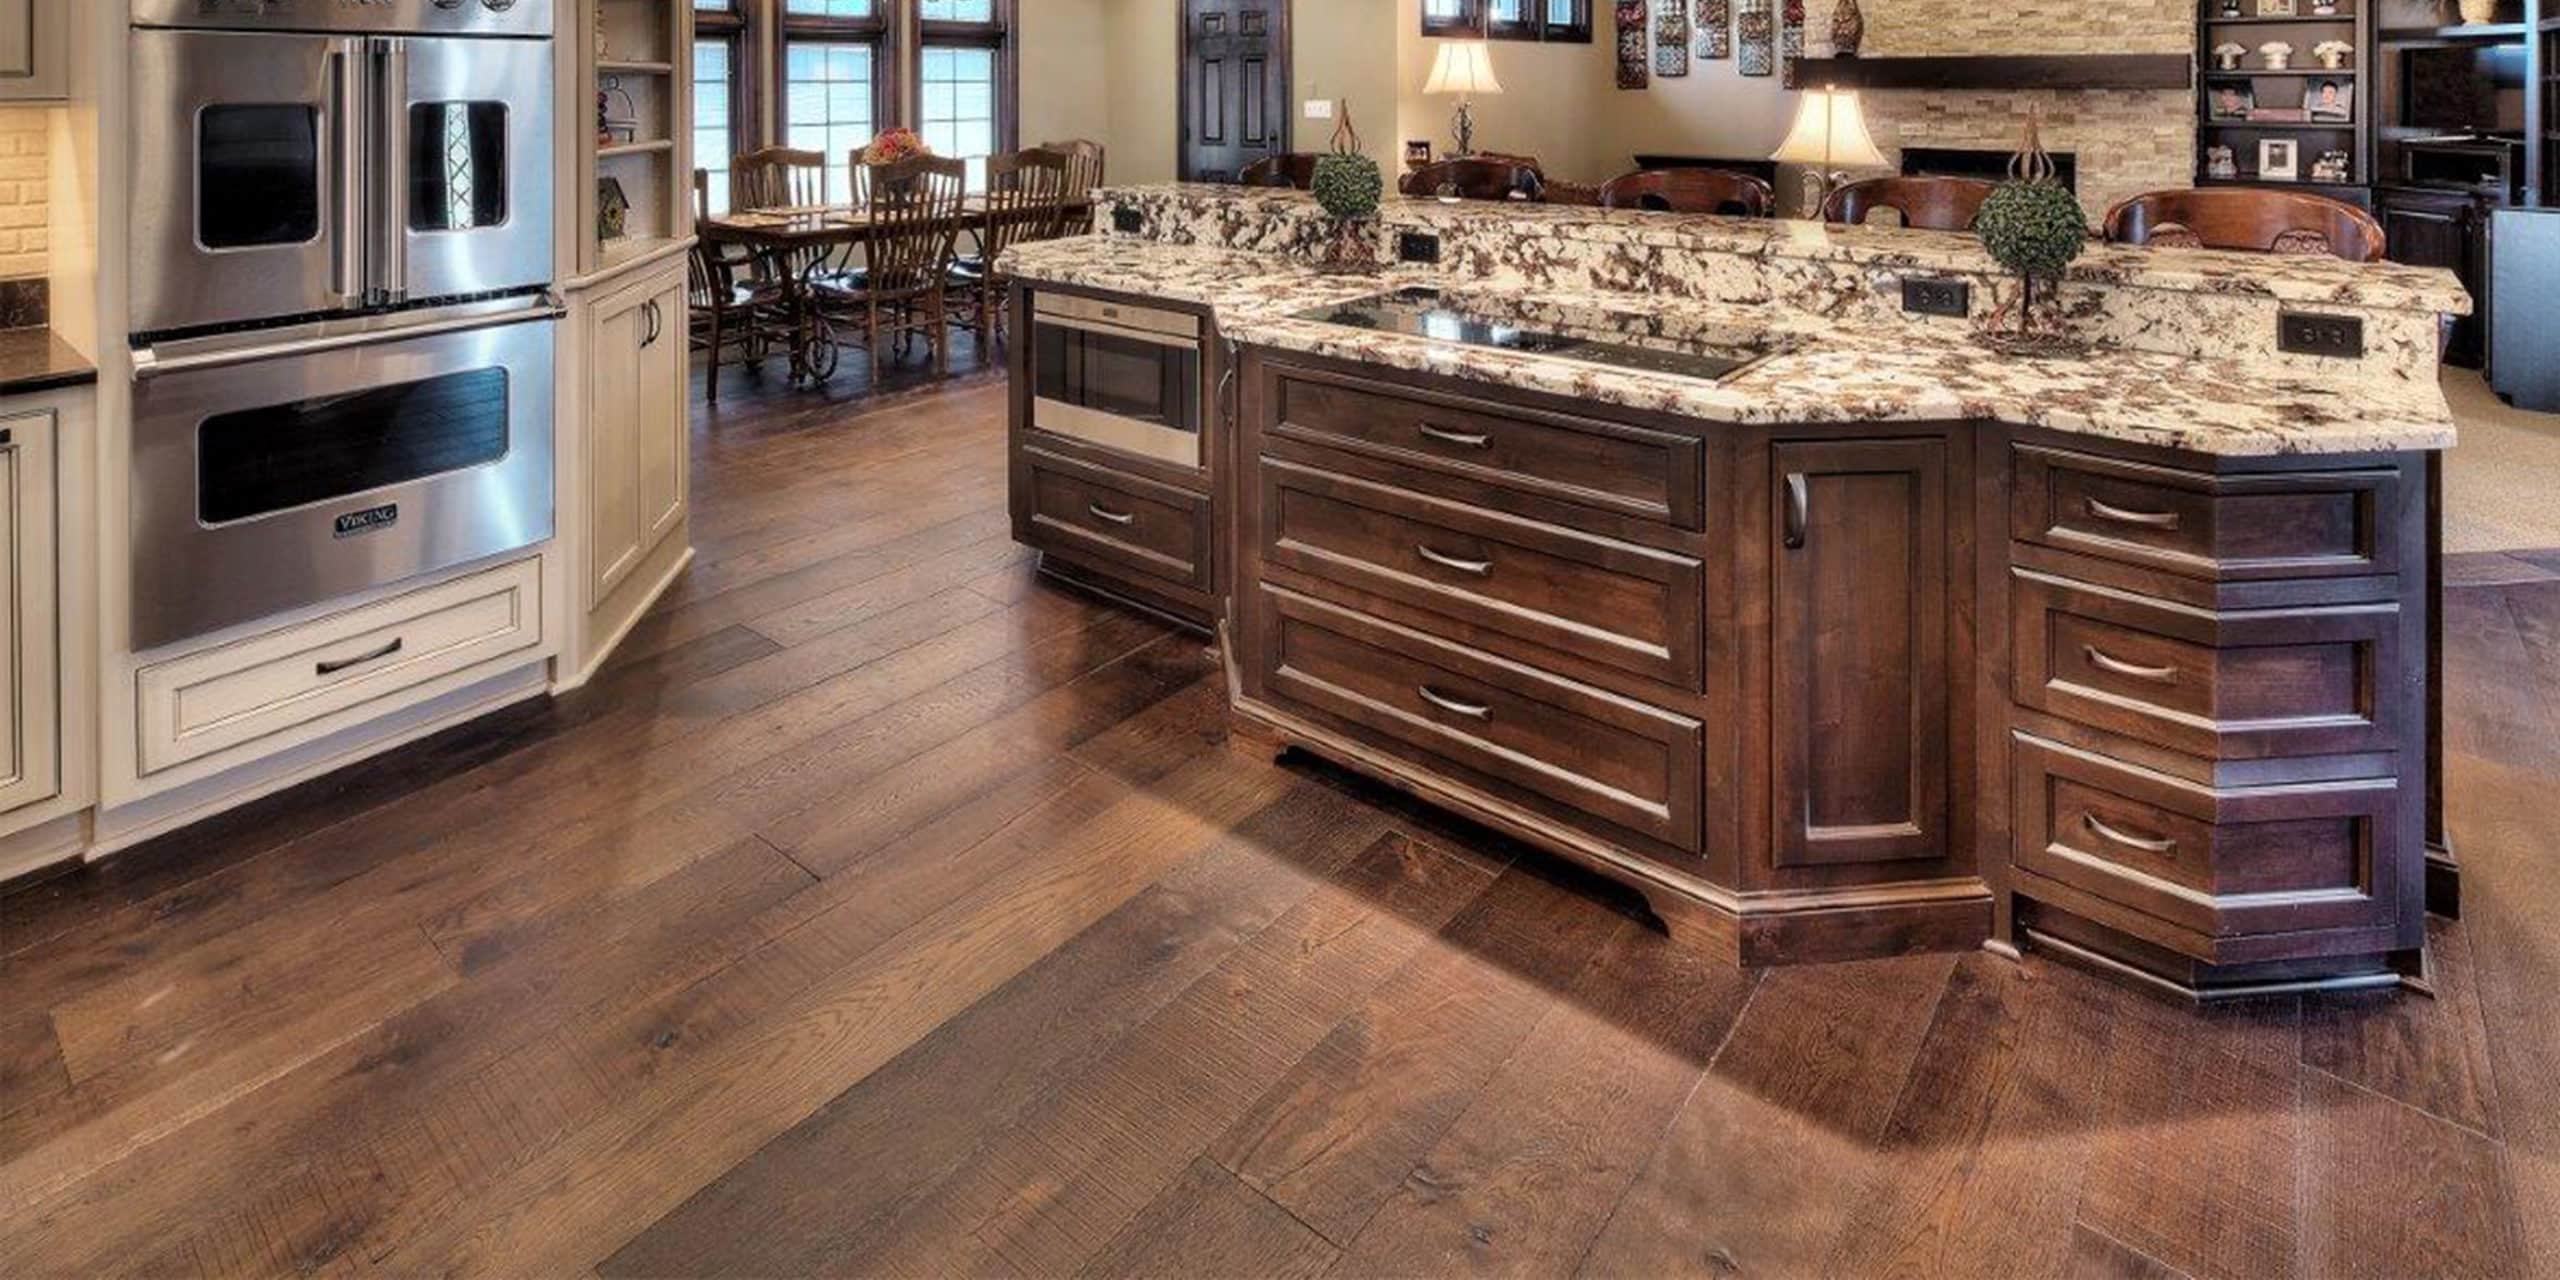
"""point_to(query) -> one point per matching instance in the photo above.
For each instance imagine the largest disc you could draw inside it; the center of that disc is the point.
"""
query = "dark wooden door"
(1235, 85)
(2448, 230)
(1859, 666)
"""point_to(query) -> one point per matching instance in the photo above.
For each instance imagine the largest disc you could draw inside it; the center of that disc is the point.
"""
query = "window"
(830, 92)
(723, 117)
(1551, 20)
(964, 68)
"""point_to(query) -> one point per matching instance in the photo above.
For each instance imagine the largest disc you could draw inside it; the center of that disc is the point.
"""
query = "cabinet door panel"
(661, 451)
(615, 537)
(1859, 652)
(30, 674)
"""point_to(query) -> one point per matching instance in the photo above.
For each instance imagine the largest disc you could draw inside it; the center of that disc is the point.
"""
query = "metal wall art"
(1755, 35)
(1635, 37)
(1791, 36)
(1714, 29)
(1671, 40)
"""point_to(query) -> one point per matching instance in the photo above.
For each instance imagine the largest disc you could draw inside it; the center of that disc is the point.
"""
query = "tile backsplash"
(24, 236)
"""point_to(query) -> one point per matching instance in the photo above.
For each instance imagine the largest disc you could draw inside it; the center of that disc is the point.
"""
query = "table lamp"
(1830, 135)
(1465, 68)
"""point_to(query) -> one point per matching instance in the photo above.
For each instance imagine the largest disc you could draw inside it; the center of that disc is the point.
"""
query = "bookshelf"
(633, 87)
(2241, 106)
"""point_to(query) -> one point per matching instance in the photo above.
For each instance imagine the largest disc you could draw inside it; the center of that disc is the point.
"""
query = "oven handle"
(1054, 320)
(148, 364)
(353, 123)
(391, 95)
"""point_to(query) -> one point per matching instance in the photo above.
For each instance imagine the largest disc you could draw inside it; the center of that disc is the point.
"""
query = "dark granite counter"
(34, 360)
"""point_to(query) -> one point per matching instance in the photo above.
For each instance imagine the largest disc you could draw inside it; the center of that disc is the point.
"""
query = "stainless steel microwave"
(1118, 376)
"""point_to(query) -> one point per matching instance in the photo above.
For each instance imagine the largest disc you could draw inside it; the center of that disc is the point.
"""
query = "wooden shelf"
(2275, 20)
(618, 67)
(2318, 73)
(643, 148)
(2422, 35)
(2077, 71)
(2286, 126)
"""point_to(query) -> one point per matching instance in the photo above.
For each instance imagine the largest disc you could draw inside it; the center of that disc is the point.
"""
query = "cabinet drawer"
(2228, 685)
(1593, 754)
(1626, 606)
(2290, 525)
(1122, 520)
(2212, 863)
(1655, 475)
(222, 698)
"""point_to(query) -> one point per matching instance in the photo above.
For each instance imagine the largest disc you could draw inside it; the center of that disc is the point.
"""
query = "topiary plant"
(1347, 183)
(2033, 226)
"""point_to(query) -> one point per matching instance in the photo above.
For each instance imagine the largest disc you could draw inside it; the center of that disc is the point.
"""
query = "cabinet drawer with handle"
(1653, 475)
(1124, 521)
(224, 698)
(1588, 754)
(2222, 684)
(2312, 524)
(1625, 606)
(2210, 863)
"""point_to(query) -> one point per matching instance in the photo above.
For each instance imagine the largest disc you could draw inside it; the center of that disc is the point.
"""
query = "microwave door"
(465, 167)
(248, 167)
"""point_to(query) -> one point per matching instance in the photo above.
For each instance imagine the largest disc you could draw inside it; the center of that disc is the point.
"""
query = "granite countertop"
(1833, 372)
(2309, 279)
(39, 360)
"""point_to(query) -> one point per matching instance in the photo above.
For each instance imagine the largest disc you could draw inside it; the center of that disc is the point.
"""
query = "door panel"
(1235, 85)
(1859, 671)
(664, 420)
(614, 537)
(469, 185)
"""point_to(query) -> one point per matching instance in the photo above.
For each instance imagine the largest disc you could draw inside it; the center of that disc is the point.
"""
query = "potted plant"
(1348, 186)
(2033, 227)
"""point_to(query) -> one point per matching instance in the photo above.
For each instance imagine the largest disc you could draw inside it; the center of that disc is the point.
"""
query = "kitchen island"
(1699, 551)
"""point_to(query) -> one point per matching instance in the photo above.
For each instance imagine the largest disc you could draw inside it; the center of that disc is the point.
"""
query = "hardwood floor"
(883, 910)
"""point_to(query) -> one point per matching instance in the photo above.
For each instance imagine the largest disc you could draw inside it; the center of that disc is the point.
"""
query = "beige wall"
(24, 234)
(1339, 49)
(1062, 46)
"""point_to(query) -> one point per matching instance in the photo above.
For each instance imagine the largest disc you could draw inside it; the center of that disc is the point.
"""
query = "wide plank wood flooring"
(885, 911)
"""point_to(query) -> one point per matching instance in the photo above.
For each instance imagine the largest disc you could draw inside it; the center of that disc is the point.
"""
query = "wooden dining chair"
(1084, 167)
(1689, 191)
(903, 287)
(1026, 201)
(777, 178)
(1927, 204)
(2248, 220)
(733, 303)
(1292, 169)
(1473, 178)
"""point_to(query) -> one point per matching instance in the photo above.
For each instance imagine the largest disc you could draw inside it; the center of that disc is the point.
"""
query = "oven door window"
(1121, 375)
(258, 169)
(256, 462)
(457, 165)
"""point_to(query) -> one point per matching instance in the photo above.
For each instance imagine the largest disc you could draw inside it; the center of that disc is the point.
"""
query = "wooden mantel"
(2027, 71)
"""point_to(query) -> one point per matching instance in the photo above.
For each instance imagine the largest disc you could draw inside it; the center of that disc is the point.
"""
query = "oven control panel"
(387, 17)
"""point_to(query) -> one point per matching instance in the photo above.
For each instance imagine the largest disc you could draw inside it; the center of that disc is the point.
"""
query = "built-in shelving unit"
(633, 76)
(2243, 106)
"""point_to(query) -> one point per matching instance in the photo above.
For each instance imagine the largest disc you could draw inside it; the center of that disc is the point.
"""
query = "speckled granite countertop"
(37, 360)
(1835, 372)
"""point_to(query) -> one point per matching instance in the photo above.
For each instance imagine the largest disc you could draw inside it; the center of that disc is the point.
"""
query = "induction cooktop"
(1431, 313)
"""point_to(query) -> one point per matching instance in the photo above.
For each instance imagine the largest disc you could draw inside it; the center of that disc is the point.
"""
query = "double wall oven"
(342, 233)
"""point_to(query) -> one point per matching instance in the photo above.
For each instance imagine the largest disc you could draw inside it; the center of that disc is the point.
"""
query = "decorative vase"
(1848, 28)
(2479, 13)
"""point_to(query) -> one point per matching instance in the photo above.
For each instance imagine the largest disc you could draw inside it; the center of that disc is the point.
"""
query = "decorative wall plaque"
(1671, 40)
(1791, 37)
(1714, 29)
(1635, 37)
(1755, 37)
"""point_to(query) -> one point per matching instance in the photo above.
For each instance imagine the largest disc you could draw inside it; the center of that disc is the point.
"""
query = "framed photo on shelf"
(2219, 162)
(2233, 100)
(2279, 160)
(2331, 101)
(2278, 8)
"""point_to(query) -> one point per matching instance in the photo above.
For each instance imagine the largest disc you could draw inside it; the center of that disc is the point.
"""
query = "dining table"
(794, 246)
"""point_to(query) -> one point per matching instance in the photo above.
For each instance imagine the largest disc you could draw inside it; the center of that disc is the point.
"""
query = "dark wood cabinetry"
(2427, 227)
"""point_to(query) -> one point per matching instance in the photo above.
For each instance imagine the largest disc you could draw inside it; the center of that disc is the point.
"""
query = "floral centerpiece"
(894, 145)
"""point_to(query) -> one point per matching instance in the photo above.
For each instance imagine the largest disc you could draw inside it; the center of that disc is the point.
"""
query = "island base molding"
(1751, 929)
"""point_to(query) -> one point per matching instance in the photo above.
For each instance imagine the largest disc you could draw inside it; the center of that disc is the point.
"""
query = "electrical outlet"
(1416, 246)
(1931, 296)
(1127, 221)
(2308, 333)
(1319, 108)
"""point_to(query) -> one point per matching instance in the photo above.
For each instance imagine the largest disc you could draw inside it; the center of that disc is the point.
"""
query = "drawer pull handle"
(2148, 844)
(1470, 710)
(1462, 439)
(1799, 511)
(2146, 519)
(2105, 661)
(345, 664)
(1479, 568)
(1100, 512)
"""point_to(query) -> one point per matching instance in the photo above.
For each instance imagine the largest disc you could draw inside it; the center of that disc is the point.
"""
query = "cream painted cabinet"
(32, 49)
(30, 710)
(636, 427)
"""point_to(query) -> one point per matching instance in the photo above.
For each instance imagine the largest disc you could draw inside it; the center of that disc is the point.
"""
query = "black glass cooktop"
(1429, 313)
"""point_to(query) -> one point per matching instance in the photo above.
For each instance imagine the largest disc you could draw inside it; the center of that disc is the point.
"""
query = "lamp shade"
(1463, 67)
(1830, 131)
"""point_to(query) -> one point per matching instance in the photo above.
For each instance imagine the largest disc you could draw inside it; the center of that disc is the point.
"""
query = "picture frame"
(2232, 100)
(2221, 162)
(2279, 8)
(1417, 153)
(2330, 101)
(2279, 160)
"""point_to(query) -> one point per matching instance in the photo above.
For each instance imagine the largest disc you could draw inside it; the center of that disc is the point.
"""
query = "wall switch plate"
(1127, 221)
(2309, 333)
(1933, 296)
(1319, 108)
(1416, 246)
